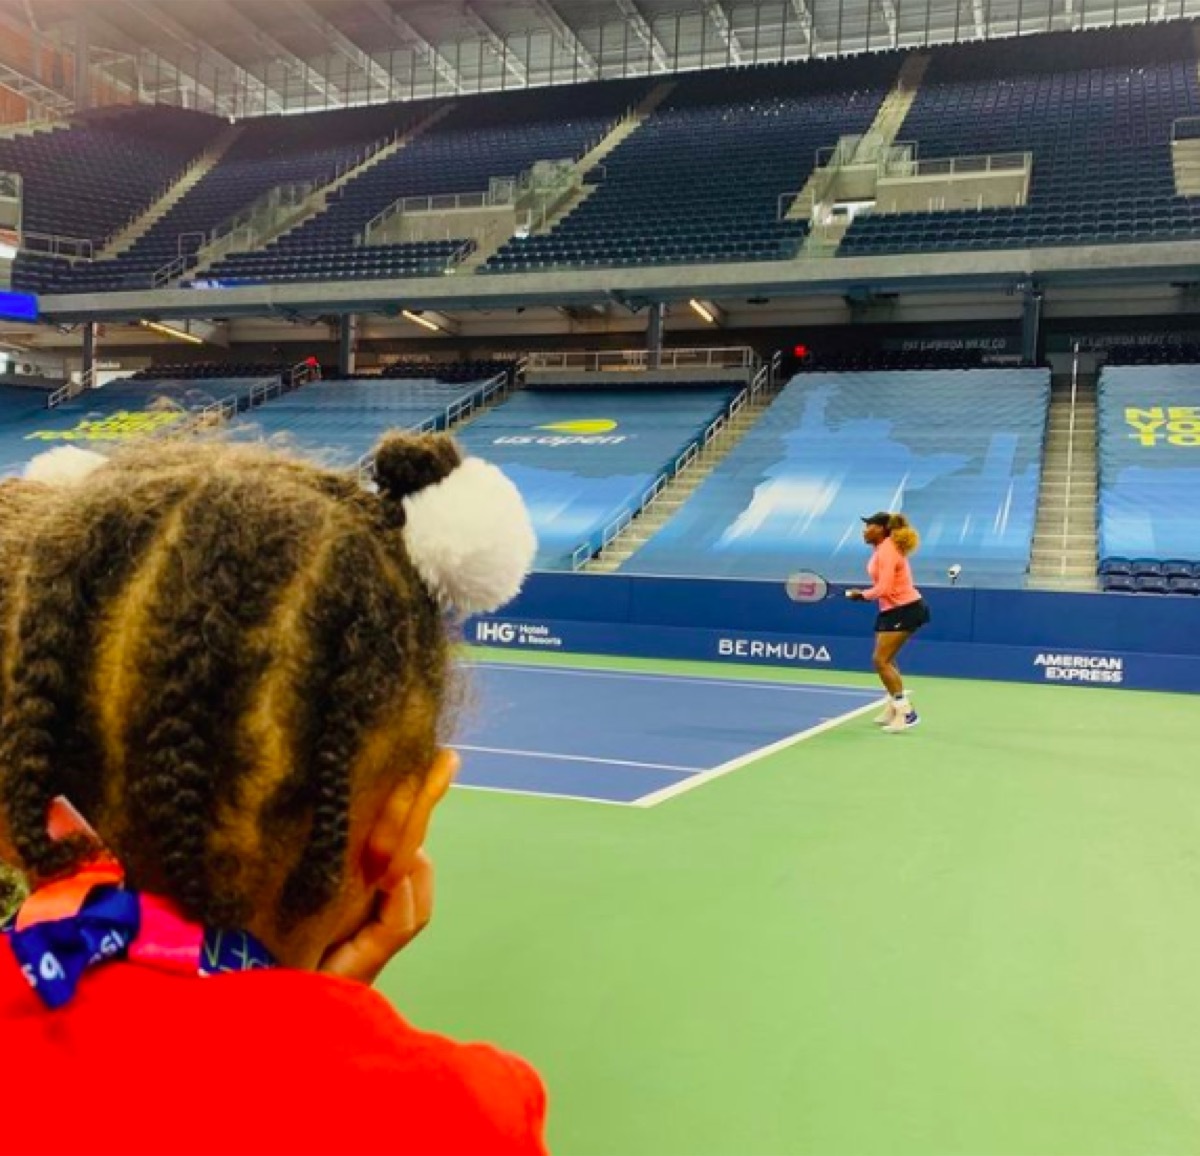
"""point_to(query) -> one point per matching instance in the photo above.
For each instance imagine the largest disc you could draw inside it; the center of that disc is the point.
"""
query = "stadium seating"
(115, 413)
(1149, 428)
(583, 458)
(197, 370)
(270, 152)
(477, 370)
(88, 179)
(341, 421)
(959, 452)
(497, 136)
(702, 178)
(1095, 109)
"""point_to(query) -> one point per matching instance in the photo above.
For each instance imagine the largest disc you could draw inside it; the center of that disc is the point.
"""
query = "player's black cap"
(883, 518)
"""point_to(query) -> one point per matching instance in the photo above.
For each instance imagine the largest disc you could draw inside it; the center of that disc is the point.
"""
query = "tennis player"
(902, 610)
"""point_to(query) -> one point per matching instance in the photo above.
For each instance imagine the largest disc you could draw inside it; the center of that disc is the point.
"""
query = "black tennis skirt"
(907, 618)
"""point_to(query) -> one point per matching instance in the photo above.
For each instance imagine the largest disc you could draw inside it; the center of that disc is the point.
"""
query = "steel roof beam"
(270, 98)
(808, 19)
(889, 14)
(313, 77)
(424, 49)
(566, 35)
(980, 20)
(645, 33)
(720, 21)
(511, 61)
(370, 68)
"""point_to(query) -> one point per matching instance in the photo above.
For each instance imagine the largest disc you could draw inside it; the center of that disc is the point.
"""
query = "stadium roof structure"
(252, 57)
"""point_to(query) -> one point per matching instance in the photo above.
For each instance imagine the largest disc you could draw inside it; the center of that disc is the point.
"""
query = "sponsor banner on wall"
(926, 656)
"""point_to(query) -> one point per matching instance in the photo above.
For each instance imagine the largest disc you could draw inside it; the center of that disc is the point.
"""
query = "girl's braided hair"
(198, 647)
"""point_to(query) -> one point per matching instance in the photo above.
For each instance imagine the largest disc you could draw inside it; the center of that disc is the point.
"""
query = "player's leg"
(888, 644)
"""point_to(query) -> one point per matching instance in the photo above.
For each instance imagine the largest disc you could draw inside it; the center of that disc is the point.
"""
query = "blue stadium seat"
(1157, 585)
(1149, 497)
(1096, 111)
(1119, 584)
(341, 421)
(585, 458)
(959, 452)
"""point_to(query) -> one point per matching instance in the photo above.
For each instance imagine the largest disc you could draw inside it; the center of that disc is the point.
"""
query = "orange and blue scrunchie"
(88, 918)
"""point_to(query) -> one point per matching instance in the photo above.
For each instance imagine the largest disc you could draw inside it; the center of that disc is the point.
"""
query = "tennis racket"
(809, 586)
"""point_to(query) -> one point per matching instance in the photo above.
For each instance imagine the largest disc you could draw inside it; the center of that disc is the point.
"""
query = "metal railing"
(87, 380)
(584, 553)
(302, 373)
(361, 158)
(1066, 526)
(169, 272)
(637, 360)
(299, 374)
(210, 155)
(53, 245)
(501, 194)
(188, 243)
(956, 166)
(776, 368)
(493, 389)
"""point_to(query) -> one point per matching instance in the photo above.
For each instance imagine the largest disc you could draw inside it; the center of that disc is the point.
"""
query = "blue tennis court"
(632, 738)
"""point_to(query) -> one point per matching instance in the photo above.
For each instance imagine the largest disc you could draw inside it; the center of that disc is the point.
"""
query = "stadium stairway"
(1185, 147)
(318, 202)
(1065, 548)
(621, 131)
(204, 164)
(670, 500)
(30, 127)
(883, 131)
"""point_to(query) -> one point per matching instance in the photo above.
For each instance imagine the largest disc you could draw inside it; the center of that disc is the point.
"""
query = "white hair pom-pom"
(470, 538)
(64, 466)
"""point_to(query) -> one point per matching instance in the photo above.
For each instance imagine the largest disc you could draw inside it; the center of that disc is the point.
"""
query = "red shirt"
(891, 577)
(280, 1061)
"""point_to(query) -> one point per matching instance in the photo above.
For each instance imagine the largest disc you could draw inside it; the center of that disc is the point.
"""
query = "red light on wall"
(801, 352)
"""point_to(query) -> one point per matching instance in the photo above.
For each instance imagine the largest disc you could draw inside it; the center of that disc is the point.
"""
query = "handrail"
(1066, 526)
(87, 380)
(167, 273)
(585, 552)
(438, 202)
(216, 412)
(302, 373)
(953, 166)
(182, 239)
(717, 357)
(364, 467)
(53, 244)
(161, 191)
(264, 392)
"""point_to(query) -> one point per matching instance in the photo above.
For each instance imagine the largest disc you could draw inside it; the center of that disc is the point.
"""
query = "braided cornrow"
(190, 600)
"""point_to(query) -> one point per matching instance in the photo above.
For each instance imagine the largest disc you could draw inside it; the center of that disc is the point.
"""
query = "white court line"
(541, 795)
(578, 759)
(741, 683)
(652, 800)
